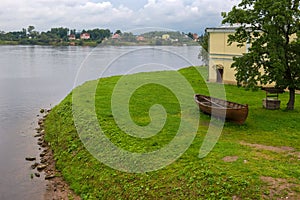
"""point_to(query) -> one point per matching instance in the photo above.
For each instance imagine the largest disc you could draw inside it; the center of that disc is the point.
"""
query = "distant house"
(195, 36)
(140, 38)
(116, 36)
(165, 37)
(85, 36)
(72, 37)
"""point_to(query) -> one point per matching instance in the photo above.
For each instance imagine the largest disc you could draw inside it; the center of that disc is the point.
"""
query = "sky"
(125, 15)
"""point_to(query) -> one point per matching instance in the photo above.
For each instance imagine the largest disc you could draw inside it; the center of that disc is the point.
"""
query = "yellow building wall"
(221, 55)
(165, 36)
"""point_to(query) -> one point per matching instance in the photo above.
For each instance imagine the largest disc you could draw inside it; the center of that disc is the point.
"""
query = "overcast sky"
(126, 15)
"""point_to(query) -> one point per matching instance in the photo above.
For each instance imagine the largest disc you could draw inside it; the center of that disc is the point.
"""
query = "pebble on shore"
(30, 158)
(47, 166)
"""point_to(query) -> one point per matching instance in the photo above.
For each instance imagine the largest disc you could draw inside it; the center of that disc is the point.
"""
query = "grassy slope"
(189, 177)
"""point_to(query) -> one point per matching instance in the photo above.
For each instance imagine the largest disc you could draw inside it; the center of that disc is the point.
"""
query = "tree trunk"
(290, 104)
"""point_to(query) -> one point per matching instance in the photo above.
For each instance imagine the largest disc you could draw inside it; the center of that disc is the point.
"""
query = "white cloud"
(95, 7)
(181, 15)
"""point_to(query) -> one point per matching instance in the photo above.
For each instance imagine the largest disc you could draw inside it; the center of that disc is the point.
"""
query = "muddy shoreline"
(44, 166)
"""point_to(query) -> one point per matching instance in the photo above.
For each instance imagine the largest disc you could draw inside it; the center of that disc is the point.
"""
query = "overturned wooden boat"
(222, 109)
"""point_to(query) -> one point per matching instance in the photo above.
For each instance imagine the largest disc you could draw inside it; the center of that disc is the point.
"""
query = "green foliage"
(203, 55)
(189, 177)
(99, 34)
(118, 32)
(153, 38)
(56, 36)
(30, 29)
(13, 36)
(272, 29)
(190, 35)
(61, 33)
(59, 36)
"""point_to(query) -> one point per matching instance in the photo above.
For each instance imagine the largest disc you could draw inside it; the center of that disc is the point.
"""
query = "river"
(35, 77)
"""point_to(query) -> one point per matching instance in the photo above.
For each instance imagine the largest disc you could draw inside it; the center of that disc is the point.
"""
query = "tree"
(44, 38)
(118, 32)
(30, 29)
(190, 35)
(24, 32)
(61, 33)
(272, 29)
(203, 55)
(73, 31)
(99, 34)
(129, 37)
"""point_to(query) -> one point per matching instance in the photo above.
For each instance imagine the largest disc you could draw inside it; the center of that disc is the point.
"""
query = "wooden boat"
(222, 109)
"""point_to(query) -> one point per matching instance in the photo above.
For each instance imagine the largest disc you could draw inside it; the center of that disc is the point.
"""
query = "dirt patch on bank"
(279, 188)
(268, 148)
(56, 187)
(282, 149)
(230, 158)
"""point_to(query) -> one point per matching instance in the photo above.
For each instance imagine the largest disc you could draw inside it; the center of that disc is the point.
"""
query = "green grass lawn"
(263, 166)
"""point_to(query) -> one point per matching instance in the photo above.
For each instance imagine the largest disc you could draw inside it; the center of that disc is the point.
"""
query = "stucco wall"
(221, 54)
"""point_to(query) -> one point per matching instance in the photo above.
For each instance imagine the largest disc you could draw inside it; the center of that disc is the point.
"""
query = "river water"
(35, 77)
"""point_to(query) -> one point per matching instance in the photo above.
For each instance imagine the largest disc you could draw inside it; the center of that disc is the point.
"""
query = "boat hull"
(230, 111)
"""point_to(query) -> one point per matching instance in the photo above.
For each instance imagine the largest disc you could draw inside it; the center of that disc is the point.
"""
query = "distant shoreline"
(91, 44)
(17, 43)
(60, 37)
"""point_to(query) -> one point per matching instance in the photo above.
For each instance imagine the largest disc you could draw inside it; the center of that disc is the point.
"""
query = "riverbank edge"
(56, 186)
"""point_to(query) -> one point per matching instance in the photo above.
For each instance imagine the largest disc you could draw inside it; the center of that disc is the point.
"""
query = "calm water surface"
(34, 77)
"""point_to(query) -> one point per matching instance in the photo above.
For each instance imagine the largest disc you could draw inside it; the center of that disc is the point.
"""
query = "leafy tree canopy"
(203, 55)
(273, 29)
(118, 32)
(30, 29)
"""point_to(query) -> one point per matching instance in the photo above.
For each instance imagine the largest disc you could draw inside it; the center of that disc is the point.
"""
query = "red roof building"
(116, 36)
(140, 38)
(72, 37)
(85, 36)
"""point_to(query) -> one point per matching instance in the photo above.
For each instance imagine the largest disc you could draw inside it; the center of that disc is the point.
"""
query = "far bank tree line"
(53, 36)
(61, 36)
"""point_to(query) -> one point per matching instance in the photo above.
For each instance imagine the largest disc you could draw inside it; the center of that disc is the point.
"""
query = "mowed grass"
(255, 145)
